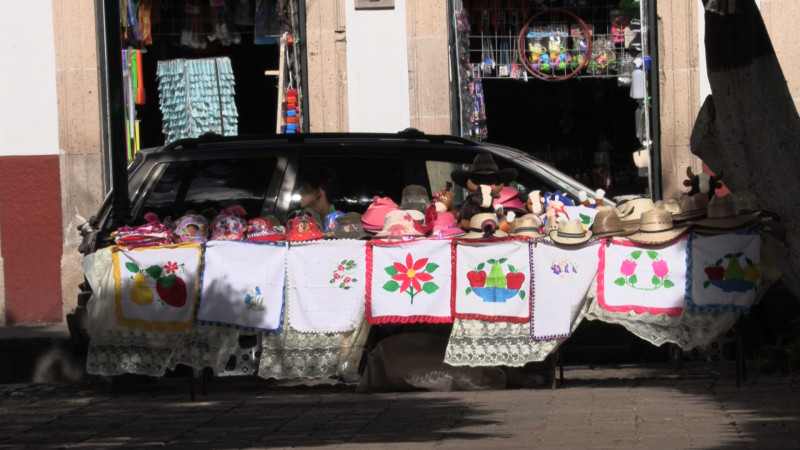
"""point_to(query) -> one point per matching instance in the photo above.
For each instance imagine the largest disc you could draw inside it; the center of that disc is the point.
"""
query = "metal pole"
(112, 104)
(303, 50)
(655, 116)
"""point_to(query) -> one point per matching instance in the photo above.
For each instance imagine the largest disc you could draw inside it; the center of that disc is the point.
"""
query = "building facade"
(52, 163)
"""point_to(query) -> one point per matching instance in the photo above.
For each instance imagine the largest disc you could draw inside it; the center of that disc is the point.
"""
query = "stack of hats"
(569, 232)
(229, 225)
(657, 227)
(373, 219)
(348, 226)
(399, 225)
(631, 211)
(261, 230)
(192, 228)
(529, 225)
(724, 216)
(291, 113)
(608, 224)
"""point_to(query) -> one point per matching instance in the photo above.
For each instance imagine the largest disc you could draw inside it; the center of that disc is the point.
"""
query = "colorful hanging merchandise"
(197, 97)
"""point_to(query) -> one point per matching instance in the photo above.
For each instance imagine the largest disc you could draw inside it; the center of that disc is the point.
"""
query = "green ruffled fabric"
(197, 97)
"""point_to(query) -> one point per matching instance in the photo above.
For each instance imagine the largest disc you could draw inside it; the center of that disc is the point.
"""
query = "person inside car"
(317, 186)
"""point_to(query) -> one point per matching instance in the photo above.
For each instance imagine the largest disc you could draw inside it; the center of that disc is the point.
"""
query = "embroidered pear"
(496, 277)
(734, 270)
(140, 292)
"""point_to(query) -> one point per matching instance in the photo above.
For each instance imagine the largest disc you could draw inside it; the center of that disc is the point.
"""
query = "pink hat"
(373, 218)
(445, 227)
(509, 199)
(260, 230)
(229, 225)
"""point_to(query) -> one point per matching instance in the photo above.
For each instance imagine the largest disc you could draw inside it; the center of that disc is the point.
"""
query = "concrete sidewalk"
(639, 406)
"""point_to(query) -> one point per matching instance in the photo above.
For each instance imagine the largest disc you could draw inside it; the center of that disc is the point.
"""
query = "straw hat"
(607, 224)
(483, 171)
(692, 207)
(529, 225)
(724, 214)
(631, 211)
(398, 225)
(350, 227)
(415, 197)
(550, 225)
(484, 225)
(656, 227)
(670, 205)
(570, 233)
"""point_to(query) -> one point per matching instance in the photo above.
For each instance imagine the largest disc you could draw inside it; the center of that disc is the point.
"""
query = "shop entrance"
(560, 80)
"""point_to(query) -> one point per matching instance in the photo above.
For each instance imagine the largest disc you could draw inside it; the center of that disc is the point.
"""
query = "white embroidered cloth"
(243, 285)
(325, 285)
(493, 281)
(642, 279)
(562, 276)
(725, 272)
(409, 282)
(156, 287)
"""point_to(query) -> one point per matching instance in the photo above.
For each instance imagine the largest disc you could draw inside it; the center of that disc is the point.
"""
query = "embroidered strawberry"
(715, 273)
(515, 280)
(172, 290)
(476, 278)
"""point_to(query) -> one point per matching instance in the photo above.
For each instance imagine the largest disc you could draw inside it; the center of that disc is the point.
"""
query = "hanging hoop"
(546, 76)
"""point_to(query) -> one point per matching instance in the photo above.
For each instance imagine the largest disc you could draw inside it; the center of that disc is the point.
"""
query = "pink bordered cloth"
(642, 279)
(408, 282)
(492, 281)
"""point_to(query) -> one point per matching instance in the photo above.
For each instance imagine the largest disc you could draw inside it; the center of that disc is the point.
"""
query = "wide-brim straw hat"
(631, 211)
(483, 170)
(693, 206)
(415, 197)
(349, 227)
(607, 224)
(657, 227)
(723, 213)
(484, 225)
(529, 225)
(397, 225)
(570, 233)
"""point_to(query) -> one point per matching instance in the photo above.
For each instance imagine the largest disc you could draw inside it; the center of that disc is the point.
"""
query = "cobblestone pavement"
(607, 407)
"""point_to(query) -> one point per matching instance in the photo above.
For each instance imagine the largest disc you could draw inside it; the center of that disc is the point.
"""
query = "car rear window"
(216, 183)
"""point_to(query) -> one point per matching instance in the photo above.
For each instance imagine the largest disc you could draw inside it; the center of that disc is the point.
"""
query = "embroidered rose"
(660, 268)
(628, 267)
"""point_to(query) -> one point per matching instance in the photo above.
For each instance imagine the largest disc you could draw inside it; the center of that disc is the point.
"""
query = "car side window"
(359, 179)
(215, 183)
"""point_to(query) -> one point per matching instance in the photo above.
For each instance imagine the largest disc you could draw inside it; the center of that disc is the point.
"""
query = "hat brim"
(658, 237)
(553, 235)
(267, 238)
(502, 176)
(615, 233)
(728, 222)
(447, 233)
(478, 235)
(407, 232)
(689, 215)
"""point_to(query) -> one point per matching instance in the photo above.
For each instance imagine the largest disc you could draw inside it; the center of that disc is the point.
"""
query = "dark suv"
(260, 174)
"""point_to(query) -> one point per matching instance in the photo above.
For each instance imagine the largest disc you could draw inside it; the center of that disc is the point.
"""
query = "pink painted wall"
(31, 232)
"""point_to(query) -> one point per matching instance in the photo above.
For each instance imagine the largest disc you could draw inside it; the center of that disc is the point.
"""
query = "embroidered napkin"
(326, 282)
(409, 282)
(493, 281)
(242, 285)
(582, 213)
(156, 287)
(648, 279)
(724, 272)
(561, 277)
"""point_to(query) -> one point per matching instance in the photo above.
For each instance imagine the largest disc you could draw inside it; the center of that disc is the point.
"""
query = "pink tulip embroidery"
(660, 272)
(415, 277)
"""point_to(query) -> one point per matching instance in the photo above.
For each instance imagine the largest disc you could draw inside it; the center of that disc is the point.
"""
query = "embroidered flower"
(171, 267)
(411, 273)
(556, 269)
(628, 267)
(660, 268)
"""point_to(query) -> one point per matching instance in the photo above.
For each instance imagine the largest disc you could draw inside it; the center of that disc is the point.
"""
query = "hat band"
(655, 231)
(517, 230)
(570, 235)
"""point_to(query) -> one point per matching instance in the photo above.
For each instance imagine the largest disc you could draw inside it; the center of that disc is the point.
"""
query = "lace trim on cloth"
(482, 343)
(292, 354)
(115, 350)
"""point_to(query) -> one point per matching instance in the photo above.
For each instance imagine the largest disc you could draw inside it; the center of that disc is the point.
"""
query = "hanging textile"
(197, 97)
